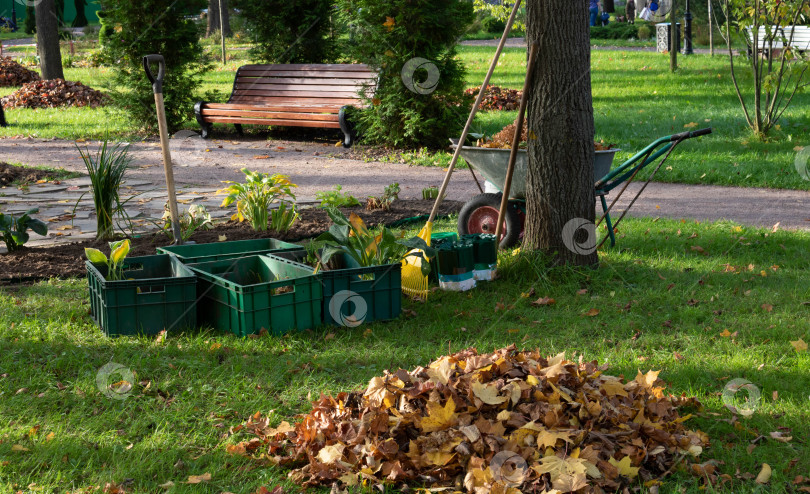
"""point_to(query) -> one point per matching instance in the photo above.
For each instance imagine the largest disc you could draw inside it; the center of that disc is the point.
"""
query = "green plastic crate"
(379, 287)
(221, 251)
(159, 293)
(245, 295)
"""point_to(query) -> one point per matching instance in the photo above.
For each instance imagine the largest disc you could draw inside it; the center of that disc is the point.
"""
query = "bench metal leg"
(239, 129)
(205, 127)
(346, 127)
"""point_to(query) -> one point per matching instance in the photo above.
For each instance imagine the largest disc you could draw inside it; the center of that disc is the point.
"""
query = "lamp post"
(14, 14)
(687, 30)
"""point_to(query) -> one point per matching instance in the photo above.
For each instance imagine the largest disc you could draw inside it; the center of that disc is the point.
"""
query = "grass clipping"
(509, 421)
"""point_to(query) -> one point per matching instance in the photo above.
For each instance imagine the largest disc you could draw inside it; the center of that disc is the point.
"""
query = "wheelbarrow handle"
(157, 81)
(689, 135)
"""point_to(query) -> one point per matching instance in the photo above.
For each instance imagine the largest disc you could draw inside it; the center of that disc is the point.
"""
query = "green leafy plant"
(336, 199)
(106, 169)
(429, 193)
(254, 197)
(390, 193)
(501, 11)
(283, 217)
(14, 231)
(196, 218)
(367, 247)
(115, 264)
(421, 83)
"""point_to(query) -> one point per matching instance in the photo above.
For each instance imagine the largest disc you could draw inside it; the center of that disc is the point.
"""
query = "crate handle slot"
(133, 267)
(143, 290)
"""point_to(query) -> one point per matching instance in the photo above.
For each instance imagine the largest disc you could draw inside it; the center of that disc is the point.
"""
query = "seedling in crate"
(115, 264)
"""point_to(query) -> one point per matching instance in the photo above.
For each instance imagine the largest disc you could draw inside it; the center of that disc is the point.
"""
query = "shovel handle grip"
(157, 81)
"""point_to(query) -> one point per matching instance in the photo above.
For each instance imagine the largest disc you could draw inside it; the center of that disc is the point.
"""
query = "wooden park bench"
(292, 95)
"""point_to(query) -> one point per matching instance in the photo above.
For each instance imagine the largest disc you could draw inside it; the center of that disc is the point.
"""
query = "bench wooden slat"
(308, 73)
(281, 122)
(276, 108)
(296, 81)
(322, 117)
(242, 99)
(296, 94)
(344, 67)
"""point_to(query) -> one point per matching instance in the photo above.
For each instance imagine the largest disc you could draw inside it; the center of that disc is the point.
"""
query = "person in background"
(594, 10)
(630, 11)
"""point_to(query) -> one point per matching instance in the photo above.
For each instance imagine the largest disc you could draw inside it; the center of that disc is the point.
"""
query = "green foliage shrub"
(492, 24)
(127, 35)
(644, 32)
(289, 32)
(615, 30)
(392, 36)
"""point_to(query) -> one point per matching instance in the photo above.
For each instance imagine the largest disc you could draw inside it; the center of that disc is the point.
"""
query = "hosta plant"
(367, 247)
(196, 218)
(283, 217)
(254, 197)
(14, 231)
(115, 263)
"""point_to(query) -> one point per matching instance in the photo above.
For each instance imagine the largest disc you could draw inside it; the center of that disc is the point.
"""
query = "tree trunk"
(213, 18)
(560, 195)
(48, 41)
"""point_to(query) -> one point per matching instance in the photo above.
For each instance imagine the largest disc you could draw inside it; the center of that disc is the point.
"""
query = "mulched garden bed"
(67, 261)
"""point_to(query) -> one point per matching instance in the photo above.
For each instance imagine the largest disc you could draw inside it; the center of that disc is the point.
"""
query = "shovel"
(157, 87)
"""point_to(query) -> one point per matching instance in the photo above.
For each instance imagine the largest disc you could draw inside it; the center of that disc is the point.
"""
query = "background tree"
(30, 25)
(81, 17)
(214, 20)
(421, 83)
(776, 75)
(48, 40)
(129, 35)
(289, 32)
(561, 129)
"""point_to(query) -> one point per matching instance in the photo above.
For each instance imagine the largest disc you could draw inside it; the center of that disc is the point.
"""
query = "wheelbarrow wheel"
(480, 215)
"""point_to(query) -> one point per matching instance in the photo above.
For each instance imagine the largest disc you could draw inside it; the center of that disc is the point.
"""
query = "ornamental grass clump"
(106, 169)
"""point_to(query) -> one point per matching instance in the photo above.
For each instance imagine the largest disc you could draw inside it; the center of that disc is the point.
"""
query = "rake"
(414, 282)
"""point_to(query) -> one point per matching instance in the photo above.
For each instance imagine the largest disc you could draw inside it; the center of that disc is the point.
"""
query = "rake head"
(414, 283)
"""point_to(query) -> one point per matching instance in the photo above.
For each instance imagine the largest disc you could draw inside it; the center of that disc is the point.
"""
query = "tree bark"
(560, 181)
(48, 41)
(213, 18)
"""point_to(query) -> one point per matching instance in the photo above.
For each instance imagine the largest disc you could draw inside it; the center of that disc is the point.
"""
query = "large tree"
(560, 195)
(48, 40)
(213, 18)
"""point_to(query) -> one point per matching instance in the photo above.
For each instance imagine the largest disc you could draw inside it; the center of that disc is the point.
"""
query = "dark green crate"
(380, 288)
(244, 296)
(221, 251)
(159, 293)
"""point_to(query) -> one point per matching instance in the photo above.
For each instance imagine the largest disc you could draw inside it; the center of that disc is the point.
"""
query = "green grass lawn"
(703, 319)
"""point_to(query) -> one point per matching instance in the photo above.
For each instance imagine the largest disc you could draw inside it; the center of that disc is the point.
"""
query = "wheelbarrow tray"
(492, 164)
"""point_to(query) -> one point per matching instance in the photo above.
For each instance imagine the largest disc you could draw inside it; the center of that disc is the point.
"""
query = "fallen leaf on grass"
(198, 479)
(767, 307)
(167, 485)
(764, 474)
(19, 447)
(624, 467)
(591, 313)
(700, 250)
(782, 437)
(543, 301)
(799, 345)
(113, 488)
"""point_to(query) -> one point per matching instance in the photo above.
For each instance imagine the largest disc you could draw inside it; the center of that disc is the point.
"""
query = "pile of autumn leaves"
(505, 422)
(13, 74)
(54, 93)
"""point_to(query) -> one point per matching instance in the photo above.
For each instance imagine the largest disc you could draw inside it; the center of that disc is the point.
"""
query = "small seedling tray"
(158, 293)
(380, 288)
(220, 251)
(245, 295)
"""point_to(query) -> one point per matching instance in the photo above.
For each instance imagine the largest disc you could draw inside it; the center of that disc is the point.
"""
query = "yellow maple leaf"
(647, 380)
(331, 454)
(764, 475)
(487, 393)
(389, 23)
(799, 345)
(440, 417)
(690, 125)
(378, 394)
(548, 439)
(613, 387)
(625, 467)
(569, 483)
